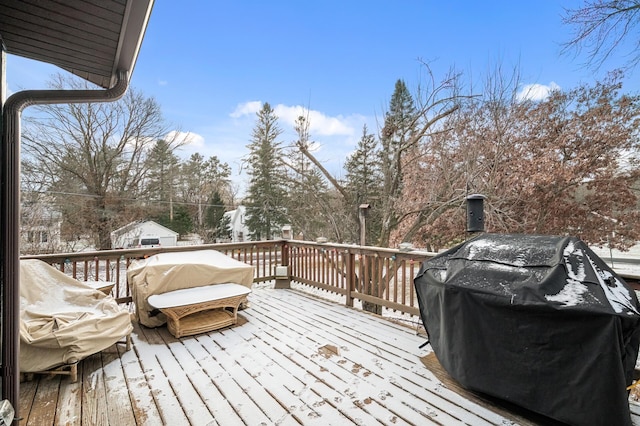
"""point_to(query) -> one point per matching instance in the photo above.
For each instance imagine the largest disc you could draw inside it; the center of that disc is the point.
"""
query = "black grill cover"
(538, 321)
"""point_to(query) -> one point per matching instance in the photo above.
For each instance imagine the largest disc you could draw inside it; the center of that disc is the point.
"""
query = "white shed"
(129, 236)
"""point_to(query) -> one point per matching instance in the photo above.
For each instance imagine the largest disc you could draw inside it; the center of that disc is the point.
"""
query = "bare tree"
(456, 161)
(94, 157)
(200, 179)
(403, 133)
(602, 27)
(315, 210)
(562, 166)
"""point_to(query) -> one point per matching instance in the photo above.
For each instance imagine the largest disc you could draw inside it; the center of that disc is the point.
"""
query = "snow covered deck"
(292, 359)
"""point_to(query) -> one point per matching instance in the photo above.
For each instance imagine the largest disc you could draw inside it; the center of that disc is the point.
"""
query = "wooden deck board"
(94, 395)
(211, 381)
(27, 394)
(281, 384)
(119, 408)
(247, 380)
(43, 410)
(69, 410)
(150, 349)
(142, 402)
(292, 359)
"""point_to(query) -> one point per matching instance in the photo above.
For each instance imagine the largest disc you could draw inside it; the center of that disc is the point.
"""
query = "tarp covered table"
(62, 320)
(165, 272)
(539, 321)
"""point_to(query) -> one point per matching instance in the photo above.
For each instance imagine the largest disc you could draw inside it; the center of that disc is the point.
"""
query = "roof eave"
(131, 35)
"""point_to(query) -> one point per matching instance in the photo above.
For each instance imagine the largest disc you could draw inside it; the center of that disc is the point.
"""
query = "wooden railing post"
(283, 280)
(351, 277)
(284, 253)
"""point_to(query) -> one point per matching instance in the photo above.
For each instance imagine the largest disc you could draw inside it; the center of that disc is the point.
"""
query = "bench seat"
(201, 309)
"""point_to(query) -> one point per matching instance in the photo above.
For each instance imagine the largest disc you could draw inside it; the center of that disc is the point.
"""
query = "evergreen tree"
(161, 179)
(215, 210)
(364, 184)
(223, 230)
(397, 141)
(214, 224)
(180, 222)
(266, 192)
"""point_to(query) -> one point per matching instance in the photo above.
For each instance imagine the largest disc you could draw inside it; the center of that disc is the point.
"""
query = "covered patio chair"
(63, 321)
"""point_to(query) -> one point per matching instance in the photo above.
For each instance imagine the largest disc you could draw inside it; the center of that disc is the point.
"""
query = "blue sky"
(210, 64)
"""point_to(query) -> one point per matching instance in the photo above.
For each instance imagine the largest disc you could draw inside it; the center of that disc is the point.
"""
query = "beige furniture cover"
(63, 320)
(165, 272)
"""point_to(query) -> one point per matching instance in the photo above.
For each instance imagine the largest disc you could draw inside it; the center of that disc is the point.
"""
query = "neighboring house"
(39, 228)
(137, 234)
(239, 231)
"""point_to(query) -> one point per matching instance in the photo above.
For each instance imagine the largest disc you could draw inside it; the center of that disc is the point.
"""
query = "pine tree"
(223, 230)
(180, 222)
(397, 140)
(161, 180)
(214, 216)
(266, 192)
(364, 184)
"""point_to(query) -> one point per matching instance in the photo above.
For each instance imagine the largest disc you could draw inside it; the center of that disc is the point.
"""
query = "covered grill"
(538, 321)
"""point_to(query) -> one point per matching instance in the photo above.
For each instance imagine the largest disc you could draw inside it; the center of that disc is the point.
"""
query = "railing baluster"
(345, 270)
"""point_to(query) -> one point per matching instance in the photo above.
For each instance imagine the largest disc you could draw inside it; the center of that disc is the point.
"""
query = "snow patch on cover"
(570, 295)
(482, 247)
(617, 294)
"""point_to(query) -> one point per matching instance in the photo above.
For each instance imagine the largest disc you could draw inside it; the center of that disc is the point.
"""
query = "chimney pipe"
(475, 213)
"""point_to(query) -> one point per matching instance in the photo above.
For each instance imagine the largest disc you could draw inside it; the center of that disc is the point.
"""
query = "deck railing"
(375, 278)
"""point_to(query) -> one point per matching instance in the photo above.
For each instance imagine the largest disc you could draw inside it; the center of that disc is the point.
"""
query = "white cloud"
(246, 108)
(226, 141)
(187, 139)
(320, 123)
(162, 82)
(536, 92)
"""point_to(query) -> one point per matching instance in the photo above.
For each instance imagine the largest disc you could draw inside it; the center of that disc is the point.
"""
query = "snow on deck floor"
(296, 360)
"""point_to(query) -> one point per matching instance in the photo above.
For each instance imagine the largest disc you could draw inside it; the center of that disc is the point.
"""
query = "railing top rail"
(139, 252)
(353, 248)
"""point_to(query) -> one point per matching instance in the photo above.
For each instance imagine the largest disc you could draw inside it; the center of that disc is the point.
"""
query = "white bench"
(200, 309)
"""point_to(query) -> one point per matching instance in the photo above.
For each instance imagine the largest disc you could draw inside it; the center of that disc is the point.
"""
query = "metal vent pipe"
(475, 213)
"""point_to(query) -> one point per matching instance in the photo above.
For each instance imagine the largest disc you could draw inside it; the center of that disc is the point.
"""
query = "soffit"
(92, 39)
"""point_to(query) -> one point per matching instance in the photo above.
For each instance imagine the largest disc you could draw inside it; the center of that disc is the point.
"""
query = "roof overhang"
(91, 39)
